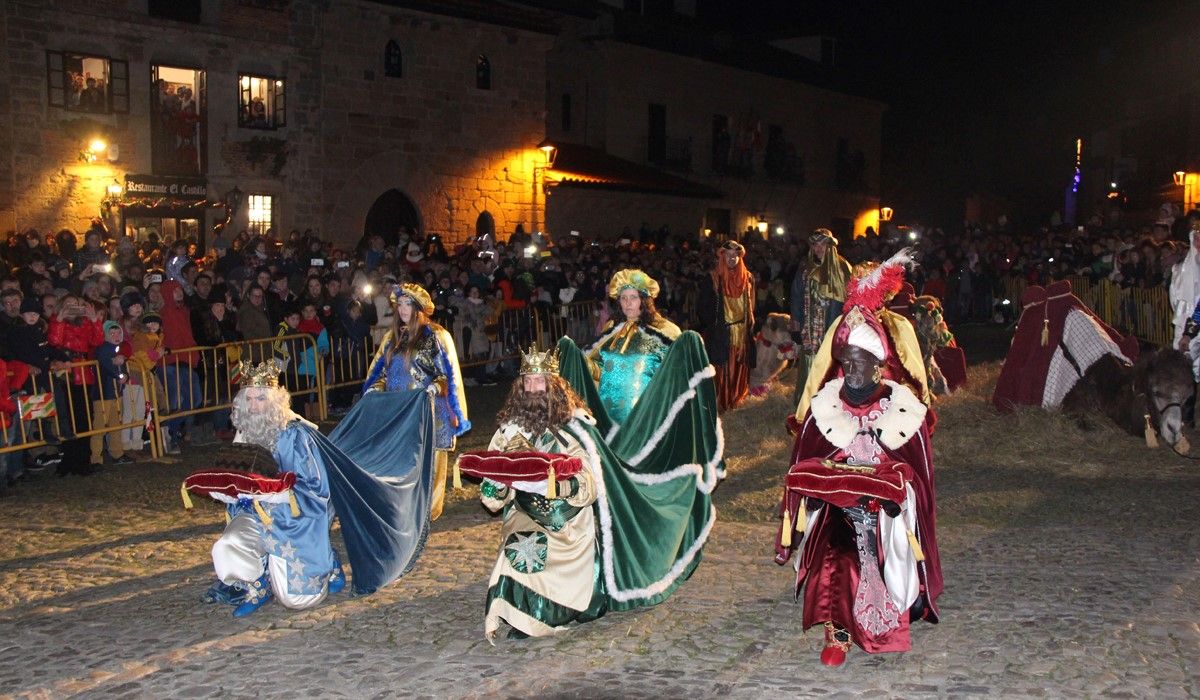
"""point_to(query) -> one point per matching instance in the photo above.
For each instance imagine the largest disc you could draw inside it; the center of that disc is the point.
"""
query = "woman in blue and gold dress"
(649, 388)
(419, 354)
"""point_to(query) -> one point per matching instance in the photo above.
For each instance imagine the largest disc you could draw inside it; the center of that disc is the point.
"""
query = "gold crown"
(534, 362)
(262, 376)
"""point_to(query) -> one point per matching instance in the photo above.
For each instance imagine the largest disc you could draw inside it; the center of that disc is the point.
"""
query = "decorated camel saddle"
(1058, 338)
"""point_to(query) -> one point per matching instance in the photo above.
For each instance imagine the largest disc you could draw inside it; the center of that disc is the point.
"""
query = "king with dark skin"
(859, 367)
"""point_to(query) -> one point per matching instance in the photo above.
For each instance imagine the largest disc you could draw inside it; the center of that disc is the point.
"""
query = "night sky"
(983, 97)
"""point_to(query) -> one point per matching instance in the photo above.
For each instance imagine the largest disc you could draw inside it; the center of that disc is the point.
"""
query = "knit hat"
(151, 317)
(110, 325)
(31, 305)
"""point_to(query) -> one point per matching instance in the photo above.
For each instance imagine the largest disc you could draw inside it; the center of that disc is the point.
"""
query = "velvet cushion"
(234, 484)
(509, 467)
(815, 478)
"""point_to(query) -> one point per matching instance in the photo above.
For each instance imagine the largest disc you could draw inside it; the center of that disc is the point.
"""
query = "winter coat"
(80, 341)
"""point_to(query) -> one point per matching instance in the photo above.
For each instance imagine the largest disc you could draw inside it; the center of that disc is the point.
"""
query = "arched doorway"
(391, 211)
(485, 225)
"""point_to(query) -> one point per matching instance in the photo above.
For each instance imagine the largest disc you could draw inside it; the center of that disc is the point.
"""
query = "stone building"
(340, 117)
(356, 116)
(749, 135)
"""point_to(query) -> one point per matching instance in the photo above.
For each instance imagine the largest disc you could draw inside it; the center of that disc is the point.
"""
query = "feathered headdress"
(874, 283)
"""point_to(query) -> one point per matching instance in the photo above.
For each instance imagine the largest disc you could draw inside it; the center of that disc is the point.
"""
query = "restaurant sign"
(177, 188)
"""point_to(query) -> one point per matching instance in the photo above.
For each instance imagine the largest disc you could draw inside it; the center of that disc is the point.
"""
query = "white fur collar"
(899, 422)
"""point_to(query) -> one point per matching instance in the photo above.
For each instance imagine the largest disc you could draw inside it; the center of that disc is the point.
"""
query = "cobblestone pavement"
(1074, 581)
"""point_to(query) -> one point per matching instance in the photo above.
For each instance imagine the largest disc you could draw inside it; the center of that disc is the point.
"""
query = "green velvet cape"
(659, 469)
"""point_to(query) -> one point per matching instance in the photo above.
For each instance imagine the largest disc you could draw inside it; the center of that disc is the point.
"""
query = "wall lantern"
(1178, 177)
(550, 151)
(885, 213)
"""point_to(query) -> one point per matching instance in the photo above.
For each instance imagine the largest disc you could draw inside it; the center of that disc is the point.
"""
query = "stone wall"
(813, 119)
(607, 214)
(50, 188)
(351, 133)
(453, 149)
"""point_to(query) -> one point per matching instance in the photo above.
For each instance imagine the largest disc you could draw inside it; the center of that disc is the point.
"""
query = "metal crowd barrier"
(60, 384)
(517, 329)
(200, 379)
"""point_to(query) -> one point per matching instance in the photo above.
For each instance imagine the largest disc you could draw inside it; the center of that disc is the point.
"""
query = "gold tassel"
(1183, 446)
(457, 474)
(916, 546)
(551, 485)
(292, 502)
(187, 500)
(785, 537)
(262, 514)
(1151, 435)
(802, 516)
(1045, 332)
(227, 518)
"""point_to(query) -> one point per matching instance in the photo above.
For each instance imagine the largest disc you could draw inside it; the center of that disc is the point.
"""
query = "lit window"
(262, 102)
(84, 83)
(260, 213)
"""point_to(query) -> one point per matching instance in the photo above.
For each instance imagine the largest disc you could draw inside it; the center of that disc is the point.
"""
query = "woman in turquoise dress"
(630, 352)
(656, 439)
(418, 354)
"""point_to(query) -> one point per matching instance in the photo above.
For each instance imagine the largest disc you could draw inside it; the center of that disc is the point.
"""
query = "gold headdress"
(534, 362)
(261, 376)
(632, 279)
(414, 292)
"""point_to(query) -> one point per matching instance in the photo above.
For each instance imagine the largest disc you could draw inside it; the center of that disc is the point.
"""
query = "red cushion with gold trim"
(843, 487)
(509, 467)
(234, 484)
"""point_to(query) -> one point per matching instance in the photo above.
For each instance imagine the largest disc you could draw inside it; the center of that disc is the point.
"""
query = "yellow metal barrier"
(81, 411)
(199, 379)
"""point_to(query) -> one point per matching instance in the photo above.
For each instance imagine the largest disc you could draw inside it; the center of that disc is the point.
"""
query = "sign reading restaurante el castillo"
(188, 188)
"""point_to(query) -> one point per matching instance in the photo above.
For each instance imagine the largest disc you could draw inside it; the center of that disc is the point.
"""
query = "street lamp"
(550, 151)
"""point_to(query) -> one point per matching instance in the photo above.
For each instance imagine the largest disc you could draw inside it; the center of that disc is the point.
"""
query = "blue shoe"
(257, 596)
(337, 580)
(225, 594)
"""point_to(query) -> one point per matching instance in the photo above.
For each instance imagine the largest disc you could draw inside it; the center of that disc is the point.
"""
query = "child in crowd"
(106, 410)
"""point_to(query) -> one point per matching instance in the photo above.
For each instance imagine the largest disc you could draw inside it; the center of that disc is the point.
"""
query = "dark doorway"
(485, 225)
(391, 211)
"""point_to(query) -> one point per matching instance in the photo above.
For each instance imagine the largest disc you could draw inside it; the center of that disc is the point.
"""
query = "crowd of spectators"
(68, 298)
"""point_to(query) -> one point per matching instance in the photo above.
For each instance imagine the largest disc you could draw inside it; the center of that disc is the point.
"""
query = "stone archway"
(391, 211)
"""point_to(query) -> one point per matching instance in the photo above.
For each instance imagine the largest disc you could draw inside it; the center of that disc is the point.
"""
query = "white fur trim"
(833, 422)
(690, 393)
(606, 530)
(707, 475)
(899, 423)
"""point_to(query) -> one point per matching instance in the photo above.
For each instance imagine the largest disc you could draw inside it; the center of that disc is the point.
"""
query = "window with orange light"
(262, 103)
(261, 208)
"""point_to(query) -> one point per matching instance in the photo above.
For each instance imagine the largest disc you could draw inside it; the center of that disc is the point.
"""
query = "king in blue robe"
(374, 472)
